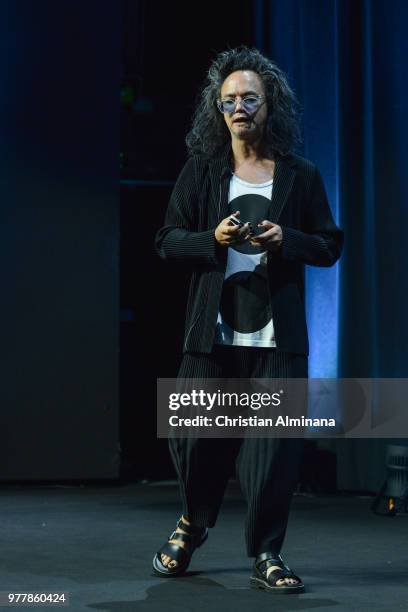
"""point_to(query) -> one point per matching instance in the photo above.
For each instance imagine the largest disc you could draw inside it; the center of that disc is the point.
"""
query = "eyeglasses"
(248, 103)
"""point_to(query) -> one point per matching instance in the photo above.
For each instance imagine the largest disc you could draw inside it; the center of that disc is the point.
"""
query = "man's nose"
(238, 102)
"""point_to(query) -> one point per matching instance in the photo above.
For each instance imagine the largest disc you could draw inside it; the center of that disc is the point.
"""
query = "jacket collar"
(221, 169)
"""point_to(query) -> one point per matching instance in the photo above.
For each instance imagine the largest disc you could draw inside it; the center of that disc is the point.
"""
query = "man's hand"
(271, 239)
(227, 234)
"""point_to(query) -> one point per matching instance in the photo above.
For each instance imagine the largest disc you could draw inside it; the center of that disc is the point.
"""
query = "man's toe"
(168, 561)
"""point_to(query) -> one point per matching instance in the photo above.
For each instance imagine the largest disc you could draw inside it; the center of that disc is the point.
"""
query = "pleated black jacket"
(198, 203)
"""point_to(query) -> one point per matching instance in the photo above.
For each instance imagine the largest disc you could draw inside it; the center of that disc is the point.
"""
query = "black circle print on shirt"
(253, 208)
(245, 304)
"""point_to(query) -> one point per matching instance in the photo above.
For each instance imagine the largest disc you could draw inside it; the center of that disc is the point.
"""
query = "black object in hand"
(254, 231)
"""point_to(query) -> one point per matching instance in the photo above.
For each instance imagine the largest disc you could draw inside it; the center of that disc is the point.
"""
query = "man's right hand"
(227, 234)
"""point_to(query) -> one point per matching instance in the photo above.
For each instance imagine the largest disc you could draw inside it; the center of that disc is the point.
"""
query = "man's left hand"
(270, 239)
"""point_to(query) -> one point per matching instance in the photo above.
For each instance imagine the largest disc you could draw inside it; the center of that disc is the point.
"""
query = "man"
(245, 312)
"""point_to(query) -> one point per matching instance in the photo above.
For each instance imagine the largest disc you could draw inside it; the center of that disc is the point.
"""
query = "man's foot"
(271, 574)
(174, 556)
(286, 580)
(165, 559)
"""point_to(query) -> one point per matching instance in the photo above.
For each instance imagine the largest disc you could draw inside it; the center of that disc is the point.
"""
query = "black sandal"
(259, 580)
(194, 538)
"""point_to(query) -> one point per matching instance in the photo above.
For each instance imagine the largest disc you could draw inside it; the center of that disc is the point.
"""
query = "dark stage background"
(59, 237)
(345, 62)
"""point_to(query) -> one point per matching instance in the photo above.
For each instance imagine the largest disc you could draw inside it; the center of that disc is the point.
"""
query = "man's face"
(244, 125)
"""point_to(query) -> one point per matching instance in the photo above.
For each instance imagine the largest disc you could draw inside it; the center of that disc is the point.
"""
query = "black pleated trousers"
(266, 468)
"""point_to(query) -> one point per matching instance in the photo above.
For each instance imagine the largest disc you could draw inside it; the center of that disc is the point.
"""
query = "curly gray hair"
(209, 132)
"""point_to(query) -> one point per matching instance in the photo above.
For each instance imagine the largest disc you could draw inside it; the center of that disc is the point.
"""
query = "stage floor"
(97, 543)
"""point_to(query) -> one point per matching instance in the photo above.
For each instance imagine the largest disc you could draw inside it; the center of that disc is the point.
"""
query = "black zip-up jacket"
(199, 202)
